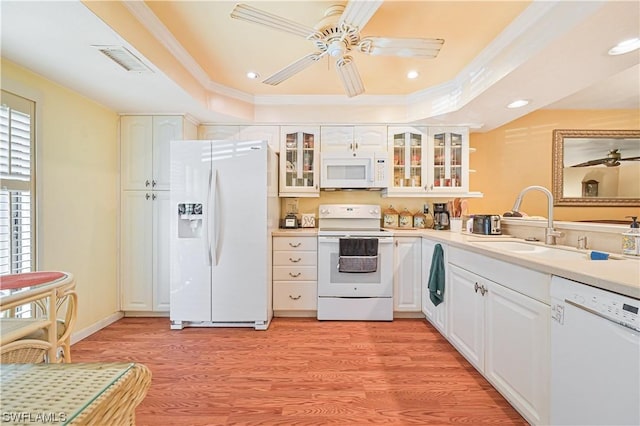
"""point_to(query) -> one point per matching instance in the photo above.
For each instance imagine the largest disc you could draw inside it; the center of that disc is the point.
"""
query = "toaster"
(486, 224)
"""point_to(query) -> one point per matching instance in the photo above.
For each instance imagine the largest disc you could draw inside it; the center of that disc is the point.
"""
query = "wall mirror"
(596, 167)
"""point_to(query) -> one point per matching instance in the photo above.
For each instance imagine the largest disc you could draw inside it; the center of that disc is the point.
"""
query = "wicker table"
(72, 394)
(45, 288)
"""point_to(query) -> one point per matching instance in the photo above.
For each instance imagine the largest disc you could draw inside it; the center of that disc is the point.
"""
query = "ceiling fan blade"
(630, 159)
(294, 68)
(349, 76)
(358, 12)
(403, 47)
(592, 162)
(248, 13)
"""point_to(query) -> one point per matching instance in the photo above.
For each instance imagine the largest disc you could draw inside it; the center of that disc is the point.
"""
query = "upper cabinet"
(353, 139)
(268, 133)
(299, 162)
(430, 161)
(145, 149)
(407, 152)
(448, 159)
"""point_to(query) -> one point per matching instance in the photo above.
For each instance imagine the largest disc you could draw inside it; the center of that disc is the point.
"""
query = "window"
(17, 184)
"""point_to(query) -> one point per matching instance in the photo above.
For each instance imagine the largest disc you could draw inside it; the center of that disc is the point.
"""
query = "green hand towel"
(436, 276)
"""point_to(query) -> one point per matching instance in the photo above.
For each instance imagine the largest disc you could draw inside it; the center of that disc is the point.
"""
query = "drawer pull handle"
(294, 275)
(295, 245)
(295, 260)
(295, 298)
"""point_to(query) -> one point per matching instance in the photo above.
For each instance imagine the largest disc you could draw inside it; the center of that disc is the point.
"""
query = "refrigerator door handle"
(213, 256)
(207, 240)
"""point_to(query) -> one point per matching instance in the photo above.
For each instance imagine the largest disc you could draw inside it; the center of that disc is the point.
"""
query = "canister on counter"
(405, 219)
(390, 219)
(419, 220)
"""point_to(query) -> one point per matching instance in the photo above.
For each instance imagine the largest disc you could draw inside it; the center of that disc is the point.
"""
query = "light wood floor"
(300, 372)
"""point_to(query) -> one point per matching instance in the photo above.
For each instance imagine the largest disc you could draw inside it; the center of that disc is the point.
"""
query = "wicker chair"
(24, 351)
(67, 303)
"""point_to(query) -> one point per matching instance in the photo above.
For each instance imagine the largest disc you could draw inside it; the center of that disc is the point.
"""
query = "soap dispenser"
(631, 239)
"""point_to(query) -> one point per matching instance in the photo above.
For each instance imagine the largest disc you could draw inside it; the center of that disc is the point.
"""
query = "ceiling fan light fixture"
(518, 104)
(413, 74)
(253, 75)
(625, 47)
(336, 48)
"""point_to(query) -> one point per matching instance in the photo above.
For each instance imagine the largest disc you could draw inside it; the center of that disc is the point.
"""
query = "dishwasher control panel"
(620, 309)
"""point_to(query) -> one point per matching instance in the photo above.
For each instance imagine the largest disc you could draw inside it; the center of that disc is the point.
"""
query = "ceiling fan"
(336, 35)
(613, 159)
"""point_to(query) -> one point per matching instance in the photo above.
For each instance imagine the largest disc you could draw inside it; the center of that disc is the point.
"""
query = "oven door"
(332, 283)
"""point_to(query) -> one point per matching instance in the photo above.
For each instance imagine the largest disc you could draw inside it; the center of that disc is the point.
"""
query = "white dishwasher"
(595, 356)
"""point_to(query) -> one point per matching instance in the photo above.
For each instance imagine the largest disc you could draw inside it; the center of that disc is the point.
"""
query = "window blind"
(17, 224)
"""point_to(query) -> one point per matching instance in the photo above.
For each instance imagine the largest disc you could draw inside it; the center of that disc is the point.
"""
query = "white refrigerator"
(224, 201)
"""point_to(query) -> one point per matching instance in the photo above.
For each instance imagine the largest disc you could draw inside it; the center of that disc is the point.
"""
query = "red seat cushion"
(10, 282)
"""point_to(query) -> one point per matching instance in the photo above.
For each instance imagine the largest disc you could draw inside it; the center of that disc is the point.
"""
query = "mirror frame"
(558, 166)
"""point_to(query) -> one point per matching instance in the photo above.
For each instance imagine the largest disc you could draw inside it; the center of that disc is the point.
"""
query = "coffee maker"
(440, 216)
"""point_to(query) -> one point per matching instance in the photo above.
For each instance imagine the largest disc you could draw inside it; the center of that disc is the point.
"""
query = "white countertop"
(620, 276)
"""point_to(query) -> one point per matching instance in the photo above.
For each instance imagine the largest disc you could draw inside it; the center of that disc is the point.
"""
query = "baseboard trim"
(88, 331)
(150, 314)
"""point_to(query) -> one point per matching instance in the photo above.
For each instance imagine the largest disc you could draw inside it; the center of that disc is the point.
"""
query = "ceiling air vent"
(123, 57)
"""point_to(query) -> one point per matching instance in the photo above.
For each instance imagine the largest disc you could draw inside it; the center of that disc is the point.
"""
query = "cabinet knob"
(483, 290)
(146, 196)
(297, 274)
(146, 183)
(295, 298)
(153, 183)
(154, 196)
(476, 287)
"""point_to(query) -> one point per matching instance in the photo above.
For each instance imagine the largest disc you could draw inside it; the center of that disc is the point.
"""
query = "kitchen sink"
(533, 250)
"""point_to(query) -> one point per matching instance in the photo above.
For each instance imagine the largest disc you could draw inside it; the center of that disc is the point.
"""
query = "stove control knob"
(374, 211)
(324, 211)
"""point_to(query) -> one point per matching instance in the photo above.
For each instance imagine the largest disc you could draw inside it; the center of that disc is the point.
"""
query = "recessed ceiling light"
(625, 46)
(519, 103)
(252, 75)
(412, 74)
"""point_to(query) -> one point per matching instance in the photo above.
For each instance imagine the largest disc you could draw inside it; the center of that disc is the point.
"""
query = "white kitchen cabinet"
(295, 276)
(407, 274)
(299, 162)
(436, 315)
(268, 133)
(407, 151)
(144, 256)
(144, 147)
(501, 330)
(353, 139)
(145, 209)
(448, 160)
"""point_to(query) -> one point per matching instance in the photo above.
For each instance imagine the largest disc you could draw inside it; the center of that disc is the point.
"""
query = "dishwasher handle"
(596, 313)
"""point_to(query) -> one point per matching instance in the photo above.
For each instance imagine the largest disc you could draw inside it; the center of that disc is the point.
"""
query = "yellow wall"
(519, 154)
(77, 178)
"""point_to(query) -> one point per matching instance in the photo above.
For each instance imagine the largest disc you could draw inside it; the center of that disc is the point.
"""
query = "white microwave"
(338, 170)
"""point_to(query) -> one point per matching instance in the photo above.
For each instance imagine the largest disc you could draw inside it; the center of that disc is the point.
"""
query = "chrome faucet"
(550, 234)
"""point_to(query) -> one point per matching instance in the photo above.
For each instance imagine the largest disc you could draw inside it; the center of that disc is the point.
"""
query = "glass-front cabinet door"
(299, 161)
(448, 159)
(407, 149)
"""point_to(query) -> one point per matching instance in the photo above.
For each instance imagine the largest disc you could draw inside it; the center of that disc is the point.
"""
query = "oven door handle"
(381, 240)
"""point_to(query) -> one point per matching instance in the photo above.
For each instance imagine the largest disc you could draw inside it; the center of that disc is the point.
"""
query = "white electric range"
(366, 296)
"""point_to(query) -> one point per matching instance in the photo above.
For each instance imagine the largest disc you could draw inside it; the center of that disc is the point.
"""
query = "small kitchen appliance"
(486, 224)
(440, 216)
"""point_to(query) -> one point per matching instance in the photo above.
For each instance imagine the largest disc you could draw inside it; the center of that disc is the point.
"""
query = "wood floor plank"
(300, 372)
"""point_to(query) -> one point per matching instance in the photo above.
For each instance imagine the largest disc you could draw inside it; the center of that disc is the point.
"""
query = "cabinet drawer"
(295, 258)
(295, 273)
(295, 296)
(295, 243)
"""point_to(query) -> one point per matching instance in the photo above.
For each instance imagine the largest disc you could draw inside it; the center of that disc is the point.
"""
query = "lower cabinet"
(295, 276)
(436, 315)
(505, 335)
(407, 274)
(145, 251)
